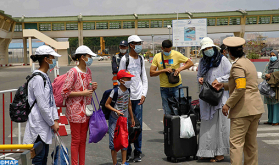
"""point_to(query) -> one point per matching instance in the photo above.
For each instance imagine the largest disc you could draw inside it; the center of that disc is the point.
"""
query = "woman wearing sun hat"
(215, 127)
(244, 106)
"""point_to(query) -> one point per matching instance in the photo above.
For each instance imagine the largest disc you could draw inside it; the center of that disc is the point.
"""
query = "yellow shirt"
(172, 61)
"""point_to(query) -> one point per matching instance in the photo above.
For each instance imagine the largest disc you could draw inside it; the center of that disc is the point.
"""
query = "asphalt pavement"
(153, 139)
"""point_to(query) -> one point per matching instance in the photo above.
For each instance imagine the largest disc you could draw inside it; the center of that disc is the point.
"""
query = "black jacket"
(115, 62)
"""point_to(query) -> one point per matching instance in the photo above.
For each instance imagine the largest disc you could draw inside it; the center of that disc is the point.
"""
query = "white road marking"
(162, 121)
(269, 129)
(268, 134)
(271, 141)
(159, 109)
(145, 127)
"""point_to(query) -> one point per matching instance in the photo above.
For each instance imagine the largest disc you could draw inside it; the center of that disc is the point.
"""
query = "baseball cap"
(134, 38)
(46, 50)
(124, 73)
(123, 43)
(85, 50)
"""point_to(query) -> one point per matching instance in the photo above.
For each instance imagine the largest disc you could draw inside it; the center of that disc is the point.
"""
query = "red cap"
(124, 73)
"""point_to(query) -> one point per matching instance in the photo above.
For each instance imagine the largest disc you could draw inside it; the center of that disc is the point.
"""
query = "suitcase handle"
(187, 91)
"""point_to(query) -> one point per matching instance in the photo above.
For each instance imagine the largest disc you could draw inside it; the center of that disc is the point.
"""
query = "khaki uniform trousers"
(243, 137)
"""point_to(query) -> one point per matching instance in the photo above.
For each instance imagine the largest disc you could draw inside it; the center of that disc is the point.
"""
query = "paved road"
(153, 148)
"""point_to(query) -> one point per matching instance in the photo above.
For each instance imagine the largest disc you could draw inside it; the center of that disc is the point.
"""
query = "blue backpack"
(104, 99)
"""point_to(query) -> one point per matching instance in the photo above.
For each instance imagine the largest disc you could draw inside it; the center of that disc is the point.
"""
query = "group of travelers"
(219, 135)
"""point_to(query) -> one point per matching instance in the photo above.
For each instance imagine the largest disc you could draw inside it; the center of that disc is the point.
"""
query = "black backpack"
(127, 62)
(104, 100)
(20, 108)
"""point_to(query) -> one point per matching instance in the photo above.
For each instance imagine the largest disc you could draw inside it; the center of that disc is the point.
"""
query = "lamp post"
(169, 27)
(176, 19)
(153, 43)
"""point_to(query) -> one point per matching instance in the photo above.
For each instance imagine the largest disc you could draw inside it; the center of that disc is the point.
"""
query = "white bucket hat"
(46, 50)
(134, 38)
(85, 50)
(207, 42)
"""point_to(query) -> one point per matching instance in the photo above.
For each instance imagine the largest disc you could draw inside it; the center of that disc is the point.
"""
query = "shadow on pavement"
(156, 140)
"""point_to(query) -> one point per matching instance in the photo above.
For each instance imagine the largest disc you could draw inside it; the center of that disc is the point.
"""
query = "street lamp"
(169, 27)
(176, 19)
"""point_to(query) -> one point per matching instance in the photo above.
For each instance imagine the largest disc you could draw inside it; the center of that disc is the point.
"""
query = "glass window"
(45, 26)
(88, 25)
(58, 26)
(235, 20)
(167, 22)
(251, 20)
(115, 25)
(264, 20)
(275, 19)
(143, 24)
(18, 27)
(211, 22)
(101, 25)
(72, 26)
(222, 21)
(156, 24)
(128, 24)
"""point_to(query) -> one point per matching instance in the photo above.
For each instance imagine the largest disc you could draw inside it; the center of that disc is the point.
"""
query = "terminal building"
(48, 29)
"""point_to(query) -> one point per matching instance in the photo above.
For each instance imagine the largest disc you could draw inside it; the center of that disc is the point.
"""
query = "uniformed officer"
(123, 46)
(244, 106)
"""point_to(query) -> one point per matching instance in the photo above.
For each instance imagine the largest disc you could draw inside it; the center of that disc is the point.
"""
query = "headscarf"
(275, 64)
(209, 62)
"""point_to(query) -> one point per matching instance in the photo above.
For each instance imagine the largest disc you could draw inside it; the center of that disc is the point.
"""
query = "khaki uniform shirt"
(245, 99)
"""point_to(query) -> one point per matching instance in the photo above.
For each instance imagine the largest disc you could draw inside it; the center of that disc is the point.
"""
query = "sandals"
(273, 124)
(217, 160)
(267, 123)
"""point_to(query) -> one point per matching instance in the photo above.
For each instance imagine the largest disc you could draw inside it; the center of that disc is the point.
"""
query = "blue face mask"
(138, 48)
(167, 53)
(51, 66)
(273, 58)
(89, 61)
(209, 52)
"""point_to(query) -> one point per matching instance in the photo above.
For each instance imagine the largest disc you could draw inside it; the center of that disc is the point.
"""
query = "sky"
(38, 8)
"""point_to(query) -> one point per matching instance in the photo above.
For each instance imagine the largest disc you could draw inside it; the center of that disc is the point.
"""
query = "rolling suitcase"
(174, 146)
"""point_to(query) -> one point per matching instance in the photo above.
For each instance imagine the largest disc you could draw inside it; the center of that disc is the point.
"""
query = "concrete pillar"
(80, 33)
(187, 52)
(25, 60)
(63, 60)
(238, 34)
(30, 53)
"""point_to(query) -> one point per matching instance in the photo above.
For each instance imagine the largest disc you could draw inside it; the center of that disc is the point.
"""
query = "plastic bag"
(60, 155)
(120, 139)
(186, 127)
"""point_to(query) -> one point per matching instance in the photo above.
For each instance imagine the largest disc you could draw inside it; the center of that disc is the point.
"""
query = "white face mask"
(127, 84)
(123, 51)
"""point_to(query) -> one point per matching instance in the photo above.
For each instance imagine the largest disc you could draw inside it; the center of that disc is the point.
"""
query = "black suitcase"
(174, 146)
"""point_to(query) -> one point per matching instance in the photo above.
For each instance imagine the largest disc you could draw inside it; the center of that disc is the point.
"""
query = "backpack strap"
(75, 74)
(127, 62)
(115, 95)
(163, 61)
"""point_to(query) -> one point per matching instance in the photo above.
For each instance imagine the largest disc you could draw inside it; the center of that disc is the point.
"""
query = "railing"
(4, 109)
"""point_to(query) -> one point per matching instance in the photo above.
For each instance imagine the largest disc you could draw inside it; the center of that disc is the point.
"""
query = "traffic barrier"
(5, 65)
(10, 94)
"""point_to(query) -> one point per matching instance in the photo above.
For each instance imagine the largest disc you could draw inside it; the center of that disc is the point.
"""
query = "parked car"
(99, 58)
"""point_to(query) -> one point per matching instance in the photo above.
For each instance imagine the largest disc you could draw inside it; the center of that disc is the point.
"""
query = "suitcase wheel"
(169, 159)
(175, 160)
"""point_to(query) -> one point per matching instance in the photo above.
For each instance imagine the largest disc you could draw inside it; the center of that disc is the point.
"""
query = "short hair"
(236, 51)
(223, 47)
(166, 44)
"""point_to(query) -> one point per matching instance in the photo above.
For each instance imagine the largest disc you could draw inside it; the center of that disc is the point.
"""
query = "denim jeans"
(41, 158)
(137, 110)
(167, 93)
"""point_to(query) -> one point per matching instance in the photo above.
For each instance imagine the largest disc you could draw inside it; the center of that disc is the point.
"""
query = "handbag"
(172, 79)
(60, 154)
(266, 90)
(210, 94)
(97, 124)
(88, 108)
(120, 139)
(135, 131)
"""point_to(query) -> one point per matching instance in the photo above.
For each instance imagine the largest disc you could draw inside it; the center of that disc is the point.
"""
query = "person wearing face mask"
(172, 60)
(135, 64)
(77, 92)
(272, 103)
(123, 47)
(43, 118)
(123, 106)
(215, 127)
